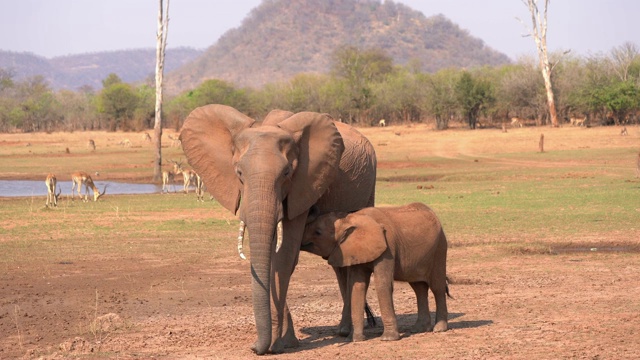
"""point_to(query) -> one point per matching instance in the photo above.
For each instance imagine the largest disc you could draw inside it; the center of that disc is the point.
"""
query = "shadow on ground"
(321, 336)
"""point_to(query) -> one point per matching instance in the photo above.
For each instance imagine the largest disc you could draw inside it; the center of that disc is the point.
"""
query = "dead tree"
(161, 41)
(539, 34)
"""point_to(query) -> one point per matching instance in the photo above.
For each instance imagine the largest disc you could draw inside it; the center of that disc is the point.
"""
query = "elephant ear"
(274, 117)
(320, 149)
(207, 141)
(360, 240)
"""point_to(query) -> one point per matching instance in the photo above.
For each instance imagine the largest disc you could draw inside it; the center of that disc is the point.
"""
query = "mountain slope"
(281, 38)
(277, 40)
(75, 71)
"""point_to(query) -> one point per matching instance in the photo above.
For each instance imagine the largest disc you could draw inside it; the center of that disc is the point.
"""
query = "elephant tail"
(371, 318)
(447, 288)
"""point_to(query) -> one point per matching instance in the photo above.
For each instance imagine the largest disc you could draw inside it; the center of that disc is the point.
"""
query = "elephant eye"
(318, 232)
(239, 173)
(287, 171)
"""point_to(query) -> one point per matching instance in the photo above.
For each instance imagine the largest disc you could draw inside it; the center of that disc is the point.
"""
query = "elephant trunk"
(263, 212)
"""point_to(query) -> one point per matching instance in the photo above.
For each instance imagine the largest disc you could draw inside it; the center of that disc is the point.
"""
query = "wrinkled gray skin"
(403, 243)
(280, 168)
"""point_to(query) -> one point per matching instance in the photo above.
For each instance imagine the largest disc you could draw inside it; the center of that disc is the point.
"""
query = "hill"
(277, 40)
(74, 71)
(281, 38)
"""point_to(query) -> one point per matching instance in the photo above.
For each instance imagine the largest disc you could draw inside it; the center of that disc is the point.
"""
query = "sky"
(65, 27)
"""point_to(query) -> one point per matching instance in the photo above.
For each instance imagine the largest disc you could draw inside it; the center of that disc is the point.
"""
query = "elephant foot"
(277, 347)
(357, 337)
(441, 326)
(421, 327)
(390, 336)
(344, 329)
(256, 349)
(290, 340)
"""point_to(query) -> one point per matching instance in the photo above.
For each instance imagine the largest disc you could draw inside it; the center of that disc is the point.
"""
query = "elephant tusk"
(243, 226)
(279, 236)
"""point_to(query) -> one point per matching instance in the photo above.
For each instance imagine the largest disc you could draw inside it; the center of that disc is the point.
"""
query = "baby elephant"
(403, 243)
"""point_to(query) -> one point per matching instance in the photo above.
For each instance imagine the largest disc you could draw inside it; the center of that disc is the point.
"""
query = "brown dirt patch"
(580, 304)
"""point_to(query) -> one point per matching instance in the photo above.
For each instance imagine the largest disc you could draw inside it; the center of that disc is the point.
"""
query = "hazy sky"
(62, 27)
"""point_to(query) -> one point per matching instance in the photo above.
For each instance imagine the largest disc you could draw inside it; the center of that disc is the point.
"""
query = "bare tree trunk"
(539, 33)
(161, 37)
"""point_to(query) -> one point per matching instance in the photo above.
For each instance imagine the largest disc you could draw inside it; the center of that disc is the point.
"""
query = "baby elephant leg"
(384, 290)
(345, 326)
(423, 324)
(359, 281)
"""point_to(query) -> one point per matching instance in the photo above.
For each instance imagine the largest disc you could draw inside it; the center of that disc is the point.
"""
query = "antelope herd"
(188, 176)
(81, 179)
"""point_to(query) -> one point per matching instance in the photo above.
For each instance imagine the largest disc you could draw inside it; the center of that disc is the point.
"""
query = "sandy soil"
(575, 303)
(570, 305)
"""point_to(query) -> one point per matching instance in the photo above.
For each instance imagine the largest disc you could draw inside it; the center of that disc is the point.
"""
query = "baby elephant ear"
(360, 240)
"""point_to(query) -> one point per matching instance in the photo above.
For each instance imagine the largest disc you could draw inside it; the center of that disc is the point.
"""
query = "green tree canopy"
(473, 94)
(118, 102)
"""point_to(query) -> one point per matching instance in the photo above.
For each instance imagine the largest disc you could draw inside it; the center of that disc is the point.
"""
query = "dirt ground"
(570, 304)
(582, 305)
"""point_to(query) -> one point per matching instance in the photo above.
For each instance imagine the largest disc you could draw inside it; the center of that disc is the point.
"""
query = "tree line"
(362, 87)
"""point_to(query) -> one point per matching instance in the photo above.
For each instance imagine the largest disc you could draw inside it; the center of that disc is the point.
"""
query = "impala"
(52, 197)
(168, 177)
(199, 188)
(516, 122)
(125, 143)
(78, 179)
(175, 142)
(577, 121)
(187, 175)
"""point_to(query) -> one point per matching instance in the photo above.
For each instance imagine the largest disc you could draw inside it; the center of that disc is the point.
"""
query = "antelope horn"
(279, 236)
(243, 226)
(99, 195)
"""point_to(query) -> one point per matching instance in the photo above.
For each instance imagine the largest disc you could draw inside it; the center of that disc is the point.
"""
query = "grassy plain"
(523, 226)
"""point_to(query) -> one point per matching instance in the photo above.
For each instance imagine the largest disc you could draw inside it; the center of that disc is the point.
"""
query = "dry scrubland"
(544, 253)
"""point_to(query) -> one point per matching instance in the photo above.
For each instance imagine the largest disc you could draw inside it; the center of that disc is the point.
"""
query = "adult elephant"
(275, 171)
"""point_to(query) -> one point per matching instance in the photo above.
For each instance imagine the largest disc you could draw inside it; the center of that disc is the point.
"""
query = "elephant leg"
(439, 287)
(344, 328)
(280, 318)
(281, 323)
(439, 290)
(423, 324)
(289, 335)
(283, 265)
(383, 274)
(359, 283)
